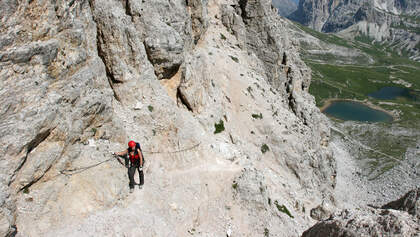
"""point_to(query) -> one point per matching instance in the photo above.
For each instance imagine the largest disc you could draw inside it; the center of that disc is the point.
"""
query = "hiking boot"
(131, 190)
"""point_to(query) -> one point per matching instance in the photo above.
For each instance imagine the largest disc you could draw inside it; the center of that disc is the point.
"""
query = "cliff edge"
(213, 90)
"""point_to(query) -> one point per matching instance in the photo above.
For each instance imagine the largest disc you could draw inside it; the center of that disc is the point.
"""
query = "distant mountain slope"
(396, 22)
(285, 7)
(351, 69)
(314, 13)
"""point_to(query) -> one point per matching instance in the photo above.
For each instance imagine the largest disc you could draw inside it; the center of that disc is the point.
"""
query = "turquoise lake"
(348, 110)
(392, 92)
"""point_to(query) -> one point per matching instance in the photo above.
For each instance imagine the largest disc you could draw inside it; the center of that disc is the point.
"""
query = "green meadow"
(333, 79)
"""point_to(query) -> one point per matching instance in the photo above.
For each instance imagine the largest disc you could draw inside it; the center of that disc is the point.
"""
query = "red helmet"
(131, 144)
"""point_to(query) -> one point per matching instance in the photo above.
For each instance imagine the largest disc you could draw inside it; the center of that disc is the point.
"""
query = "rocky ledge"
(398, 218)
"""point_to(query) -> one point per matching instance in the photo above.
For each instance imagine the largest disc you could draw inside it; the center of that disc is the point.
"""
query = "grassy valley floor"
(345, 69)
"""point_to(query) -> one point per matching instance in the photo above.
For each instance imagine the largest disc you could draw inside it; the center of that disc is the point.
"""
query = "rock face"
(366, 223)
(398, 218)
(393, 21)
(285, 7)
(314, 13)
(333, 16)
(409, 203)
(81, 78)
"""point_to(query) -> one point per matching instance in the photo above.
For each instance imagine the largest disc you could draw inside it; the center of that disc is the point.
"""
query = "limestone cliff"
(398, 218)
(314, 13)
(81, 78)
(395, 22)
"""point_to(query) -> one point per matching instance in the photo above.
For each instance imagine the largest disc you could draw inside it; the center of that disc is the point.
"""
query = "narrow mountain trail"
(392, 66)
(158, 204)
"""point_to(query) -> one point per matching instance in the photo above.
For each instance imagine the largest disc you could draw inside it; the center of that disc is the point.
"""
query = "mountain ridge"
(394, 22)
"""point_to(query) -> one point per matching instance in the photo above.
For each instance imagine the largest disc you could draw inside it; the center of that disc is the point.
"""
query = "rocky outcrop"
(398, 218)
(410, 203)
(285, 7)
(213, 90)
(366, 223)
(286, 73)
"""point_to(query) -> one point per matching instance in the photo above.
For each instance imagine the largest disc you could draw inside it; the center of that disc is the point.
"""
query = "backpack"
(137, 147)
(141, 151)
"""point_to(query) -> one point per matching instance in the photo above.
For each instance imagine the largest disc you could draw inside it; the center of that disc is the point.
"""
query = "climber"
(136, 160)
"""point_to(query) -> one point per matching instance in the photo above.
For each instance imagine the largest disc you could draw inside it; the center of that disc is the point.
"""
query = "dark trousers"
(131, 171)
